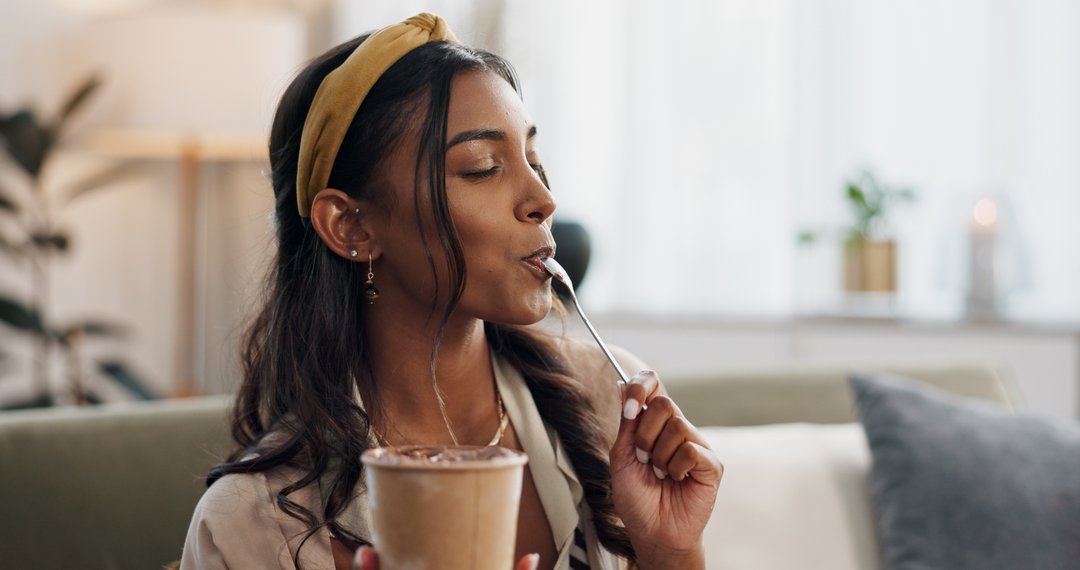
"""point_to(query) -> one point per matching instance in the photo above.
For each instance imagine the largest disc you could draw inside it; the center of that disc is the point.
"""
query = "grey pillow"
(959, 484)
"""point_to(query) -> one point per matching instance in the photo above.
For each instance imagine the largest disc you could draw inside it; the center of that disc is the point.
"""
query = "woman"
(412, 215)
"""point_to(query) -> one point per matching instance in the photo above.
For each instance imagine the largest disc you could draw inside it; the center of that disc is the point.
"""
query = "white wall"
(123, 266)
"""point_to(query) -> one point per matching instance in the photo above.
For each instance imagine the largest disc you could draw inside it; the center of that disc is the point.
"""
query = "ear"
(343, 223)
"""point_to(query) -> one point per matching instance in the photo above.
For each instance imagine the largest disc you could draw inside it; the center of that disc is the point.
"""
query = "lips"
(535, 258)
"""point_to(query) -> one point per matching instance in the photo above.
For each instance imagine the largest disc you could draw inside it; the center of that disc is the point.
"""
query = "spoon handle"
(600, 341)
(557, 272)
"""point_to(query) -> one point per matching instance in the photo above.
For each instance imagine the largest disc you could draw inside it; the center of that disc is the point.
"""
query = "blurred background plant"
(869, 246)
(31, 238)
(871, 203)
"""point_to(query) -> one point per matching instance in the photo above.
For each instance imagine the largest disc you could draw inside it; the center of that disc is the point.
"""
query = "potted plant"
(31, 238)
(869, 247)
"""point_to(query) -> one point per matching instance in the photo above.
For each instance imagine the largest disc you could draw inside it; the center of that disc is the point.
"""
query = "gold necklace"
(495, 440)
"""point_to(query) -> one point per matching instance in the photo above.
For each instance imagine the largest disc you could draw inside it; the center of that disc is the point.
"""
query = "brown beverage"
(444, 508)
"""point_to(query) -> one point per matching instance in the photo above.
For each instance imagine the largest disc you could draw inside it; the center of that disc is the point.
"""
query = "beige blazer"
(237, 523)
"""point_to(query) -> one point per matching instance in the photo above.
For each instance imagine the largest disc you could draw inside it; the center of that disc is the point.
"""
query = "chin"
(527, 312)
(530, 317)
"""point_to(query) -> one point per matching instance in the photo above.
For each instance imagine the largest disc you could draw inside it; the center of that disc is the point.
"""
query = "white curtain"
(694, 139)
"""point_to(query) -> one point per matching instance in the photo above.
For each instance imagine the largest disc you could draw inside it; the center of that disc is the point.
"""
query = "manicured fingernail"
(534, 560)
(659, 474)
(642, 456)
(630, 410)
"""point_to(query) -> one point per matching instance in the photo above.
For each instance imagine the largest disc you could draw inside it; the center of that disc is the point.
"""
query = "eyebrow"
(484, 134)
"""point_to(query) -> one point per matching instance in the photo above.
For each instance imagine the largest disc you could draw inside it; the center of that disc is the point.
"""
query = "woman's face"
(499, 204)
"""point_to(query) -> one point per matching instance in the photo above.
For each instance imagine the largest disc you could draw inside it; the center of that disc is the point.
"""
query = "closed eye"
(480, 174)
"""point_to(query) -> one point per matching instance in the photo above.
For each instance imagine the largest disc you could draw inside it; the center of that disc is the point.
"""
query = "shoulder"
(589, 366)
(237, 523)
(236, 495)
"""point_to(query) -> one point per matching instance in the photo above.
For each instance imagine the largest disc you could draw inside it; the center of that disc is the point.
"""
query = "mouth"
(536, 258)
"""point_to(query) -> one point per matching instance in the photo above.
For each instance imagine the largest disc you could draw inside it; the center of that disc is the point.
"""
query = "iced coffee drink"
(444, 508)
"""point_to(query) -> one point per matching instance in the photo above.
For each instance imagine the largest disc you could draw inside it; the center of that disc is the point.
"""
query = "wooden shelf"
(172, 145)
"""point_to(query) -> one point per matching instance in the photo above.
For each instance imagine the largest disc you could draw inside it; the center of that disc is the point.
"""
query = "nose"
(537, 203)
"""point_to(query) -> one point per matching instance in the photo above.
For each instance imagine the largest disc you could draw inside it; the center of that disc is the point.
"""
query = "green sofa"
(114, 486)
(106, 487)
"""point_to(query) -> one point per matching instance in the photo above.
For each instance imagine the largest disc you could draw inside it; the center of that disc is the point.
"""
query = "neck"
(404, 407)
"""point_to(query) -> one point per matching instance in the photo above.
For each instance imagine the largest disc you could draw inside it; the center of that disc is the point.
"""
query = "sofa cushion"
(959, 484)
(793, 496)
(817, 393)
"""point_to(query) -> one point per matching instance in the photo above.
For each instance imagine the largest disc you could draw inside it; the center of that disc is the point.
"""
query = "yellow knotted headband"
(341, 92)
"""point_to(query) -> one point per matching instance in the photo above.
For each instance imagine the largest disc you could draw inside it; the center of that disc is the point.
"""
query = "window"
(694, 139)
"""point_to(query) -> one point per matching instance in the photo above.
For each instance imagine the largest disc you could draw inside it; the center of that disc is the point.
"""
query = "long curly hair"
(305, 351)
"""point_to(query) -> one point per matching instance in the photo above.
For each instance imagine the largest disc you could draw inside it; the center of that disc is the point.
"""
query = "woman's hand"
(367, 559)
(664, 477)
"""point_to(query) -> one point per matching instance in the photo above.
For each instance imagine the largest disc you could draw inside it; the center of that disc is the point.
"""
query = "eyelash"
(481, 174)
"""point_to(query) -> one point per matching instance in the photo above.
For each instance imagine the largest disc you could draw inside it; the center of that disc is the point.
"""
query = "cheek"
(487, 240)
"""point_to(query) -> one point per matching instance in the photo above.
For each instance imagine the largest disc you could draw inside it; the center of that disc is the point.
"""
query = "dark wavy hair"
(305, 351)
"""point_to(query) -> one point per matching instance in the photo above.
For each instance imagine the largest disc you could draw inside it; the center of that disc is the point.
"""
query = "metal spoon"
(559, 273)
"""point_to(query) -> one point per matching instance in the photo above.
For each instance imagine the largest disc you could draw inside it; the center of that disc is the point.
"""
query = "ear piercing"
(352, 253)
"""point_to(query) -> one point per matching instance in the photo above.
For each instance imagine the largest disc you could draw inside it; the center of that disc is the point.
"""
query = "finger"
(675, 433)
(366, 559)
(651, 424)
(622, 451)
(643, 387)
(528, 562)
(697, 461)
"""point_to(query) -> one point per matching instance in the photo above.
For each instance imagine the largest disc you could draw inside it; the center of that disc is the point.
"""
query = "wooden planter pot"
(870, 267)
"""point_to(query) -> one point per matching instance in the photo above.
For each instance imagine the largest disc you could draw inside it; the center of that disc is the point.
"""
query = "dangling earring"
(370, 292)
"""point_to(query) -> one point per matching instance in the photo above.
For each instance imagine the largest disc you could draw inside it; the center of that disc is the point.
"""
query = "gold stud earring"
(370, 292)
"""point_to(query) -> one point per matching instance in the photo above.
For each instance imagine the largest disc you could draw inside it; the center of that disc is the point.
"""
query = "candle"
(982, 293)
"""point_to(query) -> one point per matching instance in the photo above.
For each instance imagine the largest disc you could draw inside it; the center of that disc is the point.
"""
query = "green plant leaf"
(38, 401)
(20, 317)
(90, 328)
(123, 376)
(101, 328)
(807, 237)
(77, 99)
(905, 194)
(57, 241)
(853, 238)
(857, 197)
(27, 141)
